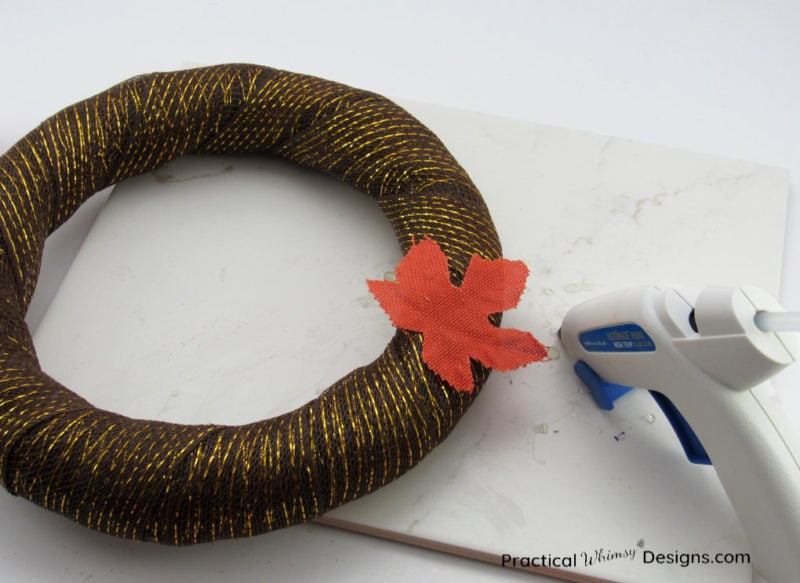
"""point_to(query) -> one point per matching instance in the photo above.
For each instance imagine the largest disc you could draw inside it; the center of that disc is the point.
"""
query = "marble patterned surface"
(231, 289)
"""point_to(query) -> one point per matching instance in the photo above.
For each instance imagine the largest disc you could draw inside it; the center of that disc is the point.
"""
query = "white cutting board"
(231, 289)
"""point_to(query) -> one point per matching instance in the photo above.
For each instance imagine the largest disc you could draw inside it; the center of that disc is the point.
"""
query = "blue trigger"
(605, 393)
(686, 435)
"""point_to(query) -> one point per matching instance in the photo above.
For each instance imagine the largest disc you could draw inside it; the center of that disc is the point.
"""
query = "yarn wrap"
(186, 484)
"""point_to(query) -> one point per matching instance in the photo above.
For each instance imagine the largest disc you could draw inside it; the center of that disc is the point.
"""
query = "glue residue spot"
(553, 353)
(547, 291)
(650, 418)
(573, 288)
(390, 276)
(541, 428)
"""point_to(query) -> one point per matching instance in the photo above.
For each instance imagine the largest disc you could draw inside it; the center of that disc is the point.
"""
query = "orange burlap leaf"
(454, 321)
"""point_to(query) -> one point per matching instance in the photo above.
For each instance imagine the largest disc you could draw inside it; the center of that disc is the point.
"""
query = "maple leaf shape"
(454, 321)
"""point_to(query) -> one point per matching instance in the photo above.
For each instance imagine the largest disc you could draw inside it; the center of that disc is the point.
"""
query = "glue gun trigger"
(605, 393)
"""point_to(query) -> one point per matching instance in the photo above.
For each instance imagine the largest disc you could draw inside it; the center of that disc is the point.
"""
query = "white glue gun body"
(707, 364)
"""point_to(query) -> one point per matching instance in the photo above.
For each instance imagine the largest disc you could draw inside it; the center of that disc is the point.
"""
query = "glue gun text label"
(618, 338)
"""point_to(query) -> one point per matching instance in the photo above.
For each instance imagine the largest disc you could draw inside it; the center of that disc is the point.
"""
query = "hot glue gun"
(707, 357)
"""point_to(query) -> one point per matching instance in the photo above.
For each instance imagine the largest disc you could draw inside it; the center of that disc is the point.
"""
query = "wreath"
(185, 484)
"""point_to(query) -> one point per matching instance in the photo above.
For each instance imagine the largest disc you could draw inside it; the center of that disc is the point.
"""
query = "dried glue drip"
(650, 418)
(541, 428)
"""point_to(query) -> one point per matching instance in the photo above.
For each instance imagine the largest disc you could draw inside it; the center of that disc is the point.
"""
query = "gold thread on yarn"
(186, 484)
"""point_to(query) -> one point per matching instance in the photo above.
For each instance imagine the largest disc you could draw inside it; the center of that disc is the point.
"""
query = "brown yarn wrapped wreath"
(187, 484)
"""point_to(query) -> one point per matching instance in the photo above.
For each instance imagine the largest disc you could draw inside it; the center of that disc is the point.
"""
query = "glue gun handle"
(756, 454)
(692, 446)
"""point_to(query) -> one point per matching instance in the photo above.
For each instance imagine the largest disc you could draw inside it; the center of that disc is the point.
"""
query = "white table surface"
(718, 78)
